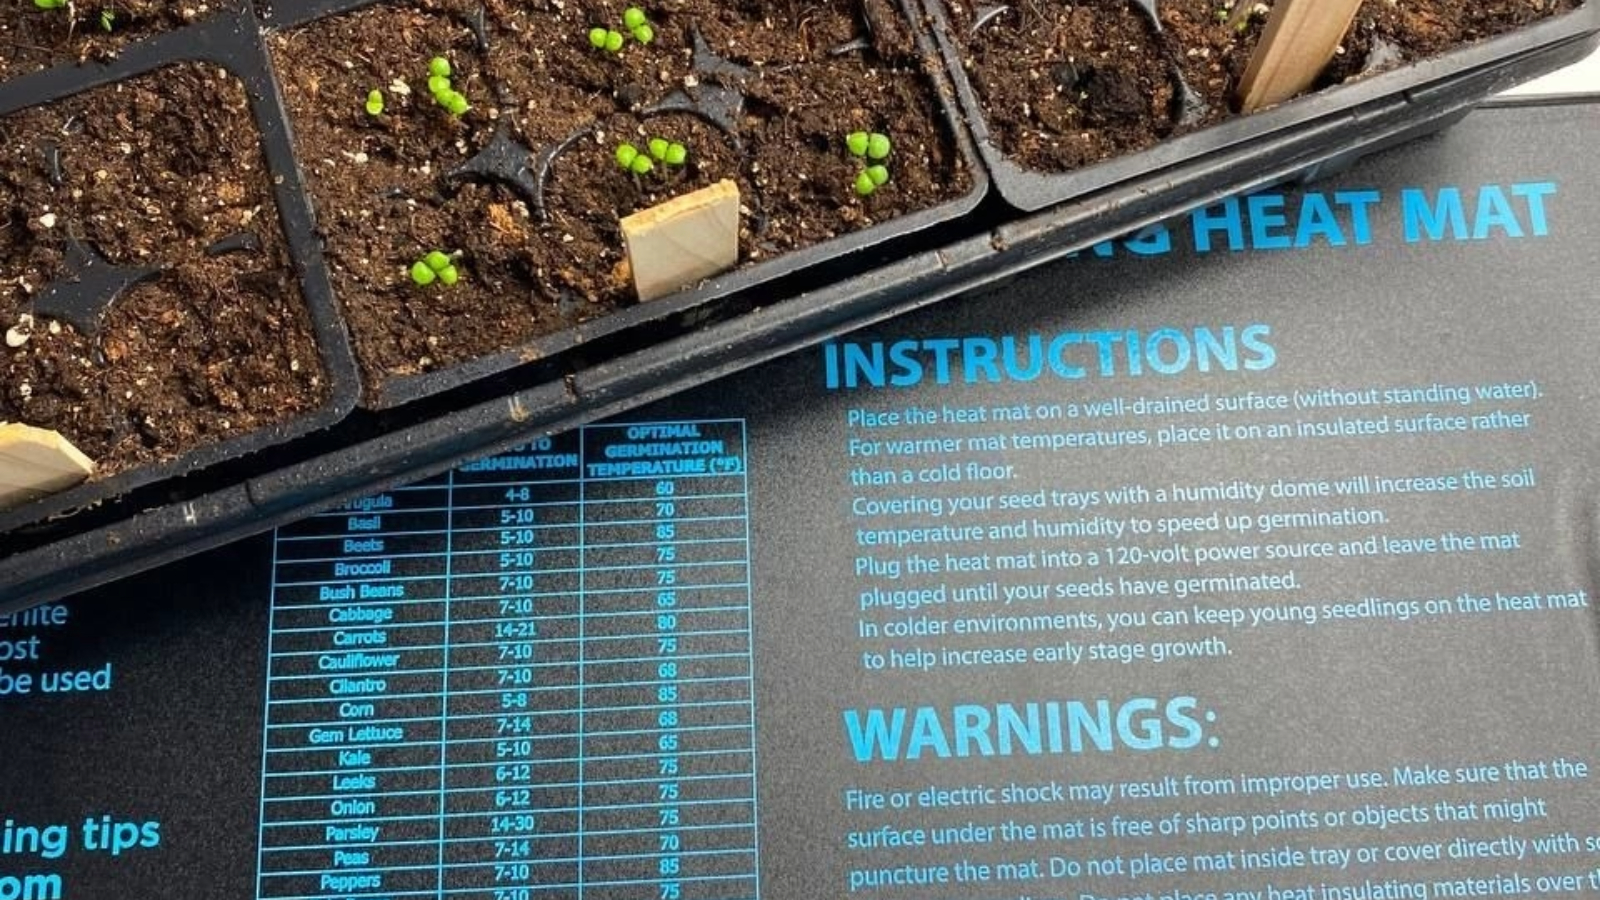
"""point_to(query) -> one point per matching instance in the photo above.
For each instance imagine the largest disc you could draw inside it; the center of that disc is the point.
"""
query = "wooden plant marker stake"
(1301, 37)
(35, 462)
(683, 240)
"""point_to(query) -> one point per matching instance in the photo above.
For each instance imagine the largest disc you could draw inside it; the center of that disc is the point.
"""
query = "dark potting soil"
(382, 202)
(32, 38)
(1067, 85)
(150, 173)
(1422, 30)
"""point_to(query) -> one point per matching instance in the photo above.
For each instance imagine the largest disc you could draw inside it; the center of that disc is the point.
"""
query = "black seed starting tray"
(342, 432)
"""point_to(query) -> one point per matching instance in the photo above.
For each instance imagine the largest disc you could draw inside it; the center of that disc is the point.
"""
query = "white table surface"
(1579, 78)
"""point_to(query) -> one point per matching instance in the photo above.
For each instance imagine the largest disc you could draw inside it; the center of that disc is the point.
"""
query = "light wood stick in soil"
(35, 462)
(1300, 39)
(683, 240)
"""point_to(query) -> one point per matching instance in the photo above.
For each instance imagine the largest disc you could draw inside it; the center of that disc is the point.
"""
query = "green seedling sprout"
(374, 102)
(630, 159)
(658, 150)
(50, 4)
(638, 25)
(870, 146)
(606, 39)
(668, 152)
(435, 266)
(870, 179)
(108, 19)
(610, 40)
(443, 91)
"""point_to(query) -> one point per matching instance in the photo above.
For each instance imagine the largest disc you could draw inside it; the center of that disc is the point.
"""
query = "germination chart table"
(529, 678)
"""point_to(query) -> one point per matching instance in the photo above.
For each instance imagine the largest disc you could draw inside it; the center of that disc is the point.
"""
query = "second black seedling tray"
(717, 95)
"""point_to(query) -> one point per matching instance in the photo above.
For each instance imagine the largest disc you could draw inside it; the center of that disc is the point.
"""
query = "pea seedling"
(606, 39)
(629, 159)
(50, 4)
(610, 40)
(667, 152)
(638, 25)
(443, 91)
(374, 104)
(871, 178)
(436, 266)
(658, 150)
(875, 147)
